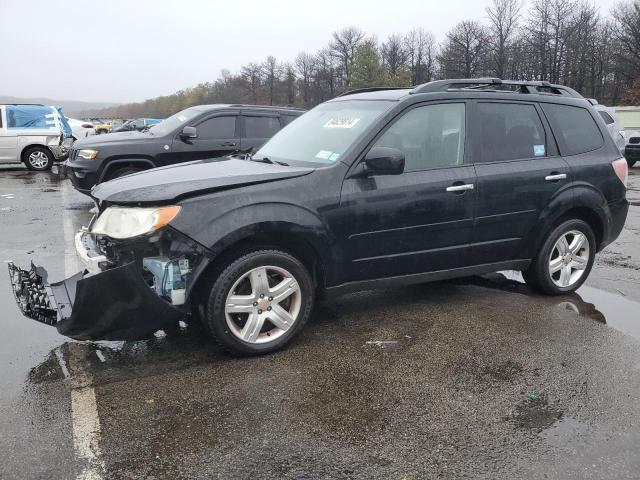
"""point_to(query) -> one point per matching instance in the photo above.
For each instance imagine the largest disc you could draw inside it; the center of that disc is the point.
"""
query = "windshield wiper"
(267, 160)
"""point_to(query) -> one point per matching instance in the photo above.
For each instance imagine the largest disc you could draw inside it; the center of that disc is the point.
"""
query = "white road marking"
(84, 408)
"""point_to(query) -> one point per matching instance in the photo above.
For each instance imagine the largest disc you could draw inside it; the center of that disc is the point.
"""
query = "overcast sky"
(128, 50)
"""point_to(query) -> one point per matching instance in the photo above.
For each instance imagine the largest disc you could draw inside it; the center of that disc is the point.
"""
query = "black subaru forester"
(375, 188)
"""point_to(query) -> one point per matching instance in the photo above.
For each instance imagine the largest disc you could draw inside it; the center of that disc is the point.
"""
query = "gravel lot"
(476, 378)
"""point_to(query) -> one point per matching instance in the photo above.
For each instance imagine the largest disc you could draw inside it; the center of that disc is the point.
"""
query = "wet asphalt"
(474, 378)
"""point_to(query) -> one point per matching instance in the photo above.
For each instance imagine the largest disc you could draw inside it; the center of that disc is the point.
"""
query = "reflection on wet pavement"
(614, 310)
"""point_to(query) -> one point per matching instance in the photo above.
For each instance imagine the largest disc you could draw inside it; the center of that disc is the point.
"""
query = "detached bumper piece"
(33, 294)
(115, 304)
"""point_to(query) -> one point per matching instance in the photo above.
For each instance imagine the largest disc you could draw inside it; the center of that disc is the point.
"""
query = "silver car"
(613, 125)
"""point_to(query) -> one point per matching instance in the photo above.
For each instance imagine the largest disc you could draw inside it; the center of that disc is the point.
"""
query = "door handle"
(460, 188)
(555, 177)
(228, 144)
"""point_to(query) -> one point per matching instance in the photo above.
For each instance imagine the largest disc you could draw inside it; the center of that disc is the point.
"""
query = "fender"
(575, 195)
(110, 165)
(272, 218)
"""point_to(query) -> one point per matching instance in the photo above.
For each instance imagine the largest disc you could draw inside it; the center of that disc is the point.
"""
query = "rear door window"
(574, 128)
(217, 128)
(261, 127)
(509, 131)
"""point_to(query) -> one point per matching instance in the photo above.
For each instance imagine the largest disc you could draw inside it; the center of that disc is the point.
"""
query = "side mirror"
(384, 161)
(188, 133)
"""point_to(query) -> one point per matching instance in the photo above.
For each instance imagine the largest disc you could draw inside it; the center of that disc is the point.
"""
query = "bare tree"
(304, 66)
(251, 74)
(464, 52)
(627, 32)
(393, 53)
(271, 73)
(420, 47)
(343, 47)
(290, 82)
(503, 17)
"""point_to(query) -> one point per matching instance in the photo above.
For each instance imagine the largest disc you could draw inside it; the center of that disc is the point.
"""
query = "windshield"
(323, 134)
(174, 121)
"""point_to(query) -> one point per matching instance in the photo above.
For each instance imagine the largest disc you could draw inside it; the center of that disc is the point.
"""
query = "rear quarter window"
(606, 117)
(574, 128)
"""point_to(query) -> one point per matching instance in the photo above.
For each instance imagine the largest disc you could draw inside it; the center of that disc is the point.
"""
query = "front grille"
(73, 153)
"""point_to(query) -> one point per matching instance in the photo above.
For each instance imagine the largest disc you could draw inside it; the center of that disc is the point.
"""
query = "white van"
(33, 135)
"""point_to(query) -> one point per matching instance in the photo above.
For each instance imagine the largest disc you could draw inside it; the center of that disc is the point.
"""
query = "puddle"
(611, 309)
(564, 430)
(536, 414)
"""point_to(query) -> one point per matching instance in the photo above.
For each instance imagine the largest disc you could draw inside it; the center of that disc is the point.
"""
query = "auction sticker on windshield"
(341, 122)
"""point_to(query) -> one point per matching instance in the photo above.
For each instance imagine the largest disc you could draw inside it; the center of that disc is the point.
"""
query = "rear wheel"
(565, 259)
(259, 302)
(38, 159)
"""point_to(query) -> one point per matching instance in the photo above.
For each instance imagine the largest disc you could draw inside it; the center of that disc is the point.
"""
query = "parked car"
(138, 124)
(81, 128)
(375, 188)
(36, 135)
(615, 128)
(206, 131)
(104, 127)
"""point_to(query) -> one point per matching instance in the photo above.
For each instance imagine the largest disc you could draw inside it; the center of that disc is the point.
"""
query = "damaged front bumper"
(116, 297)
(116, 304)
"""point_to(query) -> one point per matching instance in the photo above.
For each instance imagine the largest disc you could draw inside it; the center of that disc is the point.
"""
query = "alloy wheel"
(38, 159)
(263, 304)
(569, 258)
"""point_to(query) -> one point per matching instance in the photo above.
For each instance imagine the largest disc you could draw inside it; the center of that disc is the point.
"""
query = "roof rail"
(370, 89)
(482, 83)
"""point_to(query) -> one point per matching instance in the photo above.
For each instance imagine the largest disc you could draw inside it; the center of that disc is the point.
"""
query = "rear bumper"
(116, 304)
(617, 218)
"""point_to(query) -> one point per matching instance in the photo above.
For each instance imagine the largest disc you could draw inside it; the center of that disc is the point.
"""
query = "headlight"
(124, 222)
(88, 154)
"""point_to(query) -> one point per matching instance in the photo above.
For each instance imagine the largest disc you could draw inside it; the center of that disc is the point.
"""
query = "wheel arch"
(29, 146)
(582, 202)
(284, 236)
(115, 164)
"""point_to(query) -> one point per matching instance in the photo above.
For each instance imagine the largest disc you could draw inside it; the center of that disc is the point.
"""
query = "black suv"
(372, 189)
(205, 131)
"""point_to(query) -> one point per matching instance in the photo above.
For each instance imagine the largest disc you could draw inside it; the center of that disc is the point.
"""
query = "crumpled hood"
(171, 183)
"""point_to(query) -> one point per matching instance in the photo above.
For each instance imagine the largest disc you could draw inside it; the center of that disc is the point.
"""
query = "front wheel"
(123, 172)
(38, 159)
(565, 259)
(631, 163)
(259, 302)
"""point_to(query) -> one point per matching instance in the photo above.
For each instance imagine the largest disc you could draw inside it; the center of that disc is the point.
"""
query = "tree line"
(562, 41)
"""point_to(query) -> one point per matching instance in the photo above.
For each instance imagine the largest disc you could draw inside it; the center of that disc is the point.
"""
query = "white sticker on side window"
(341, 122)
(324, 154)
(538, 150)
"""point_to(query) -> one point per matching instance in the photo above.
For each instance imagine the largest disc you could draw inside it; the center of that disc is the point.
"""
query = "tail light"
(86, 125)
(621, 168)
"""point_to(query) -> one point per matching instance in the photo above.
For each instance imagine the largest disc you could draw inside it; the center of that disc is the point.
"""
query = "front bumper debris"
(61, 151)
(116, 304)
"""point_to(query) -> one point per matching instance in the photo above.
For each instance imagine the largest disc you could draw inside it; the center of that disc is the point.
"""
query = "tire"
(570, 269)
(244, 278)
(631, 163)
(121, 172)
(38, 159)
